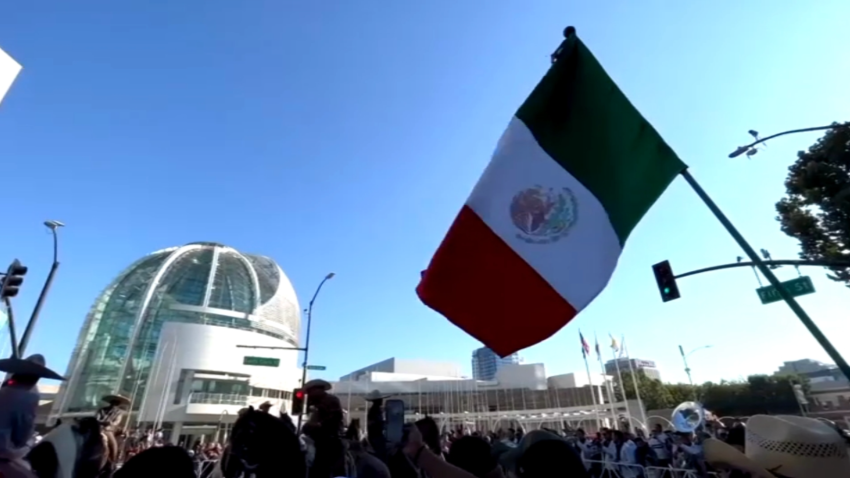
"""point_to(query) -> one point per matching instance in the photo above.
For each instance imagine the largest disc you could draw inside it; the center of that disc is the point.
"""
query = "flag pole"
(635, 382)
(608, 388)
(771, 278)
(584, 352)
(622, 386)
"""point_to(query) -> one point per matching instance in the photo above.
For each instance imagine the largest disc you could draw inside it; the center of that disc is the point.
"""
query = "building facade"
(520, 395)
(417, 368)
(647, 367)
(9, 69)
(813, 370)
(165, 334)
(486, 363)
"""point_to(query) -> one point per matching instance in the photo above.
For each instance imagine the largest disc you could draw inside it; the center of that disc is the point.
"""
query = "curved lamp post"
(687, 368)
(54, 227)
(307, 342)
(746, 149)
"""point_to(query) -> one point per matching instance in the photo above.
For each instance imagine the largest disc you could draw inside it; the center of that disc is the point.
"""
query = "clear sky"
(344, 136)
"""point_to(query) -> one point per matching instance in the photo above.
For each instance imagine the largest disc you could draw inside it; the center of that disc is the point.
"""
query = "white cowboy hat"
(318, 383)
(375, 395)
(793, 447)
(116, 398)
(32, 365)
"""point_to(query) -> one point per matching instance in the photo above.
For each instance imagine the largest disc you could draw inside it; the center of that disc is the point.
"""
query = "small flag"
(585, 347)
(598, 352)
(614, 345)
(623, 351)
(542, 231)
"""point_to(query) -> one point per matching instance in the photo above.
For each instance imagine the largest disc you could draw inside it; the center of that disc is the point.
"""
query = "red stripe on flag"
(481, 285)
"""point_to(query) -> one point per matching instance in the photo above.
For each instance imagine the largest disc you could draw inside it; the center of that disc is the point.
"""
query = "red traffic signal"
(298, 397)
(13, 279)
(666, 281)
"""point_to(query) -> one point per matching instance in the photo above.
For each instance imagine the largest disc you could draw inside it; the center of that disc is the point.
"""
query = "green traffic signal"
(666, 290)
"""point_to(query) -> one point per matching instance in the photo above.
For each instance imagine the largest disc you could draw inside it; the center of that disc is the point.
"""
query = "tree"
(816, 209)
(758, 394)
(653, 393)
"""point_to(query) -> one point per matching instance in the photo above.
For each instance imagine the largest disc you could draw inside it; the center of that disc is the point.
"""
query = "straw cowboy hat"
(121, 399)
(318, 383)
(34, 365)
(786, 446)
(375, 395)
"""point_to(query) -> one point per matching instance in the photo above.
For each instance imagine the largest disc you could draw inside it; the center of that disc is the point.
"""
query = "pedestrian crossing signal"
(666, 281)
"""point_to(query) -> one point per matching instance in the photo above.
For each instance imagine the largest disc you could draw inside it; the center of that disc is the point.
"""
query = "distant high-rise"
(485, 363)
(9, 69)
(647, 367)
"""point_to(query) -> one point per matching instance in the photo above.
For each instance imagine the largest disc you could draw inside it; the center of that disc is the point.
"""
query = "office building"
(485, 363)
(646, 367)
(166, 334)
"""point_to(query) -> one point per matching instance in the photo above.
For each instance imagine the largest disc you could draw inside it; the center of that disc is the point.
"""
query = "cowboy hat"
(375, 395)
(121, 399)
(33, 365)
(790, 446)
(318, 383)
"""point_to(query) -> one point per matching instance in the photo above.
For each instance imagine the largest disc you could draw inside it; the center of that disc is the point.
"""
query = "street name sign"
(316, 367)
(796, 287)
(261, 361)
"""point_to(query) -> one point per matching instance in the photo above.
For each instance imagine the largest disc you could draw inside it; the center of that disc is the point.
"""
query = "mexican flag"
(540, 235)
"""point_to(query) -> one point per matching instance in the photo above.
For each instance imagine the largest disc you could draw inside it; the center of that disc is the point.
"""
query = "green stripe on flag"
(583, 121)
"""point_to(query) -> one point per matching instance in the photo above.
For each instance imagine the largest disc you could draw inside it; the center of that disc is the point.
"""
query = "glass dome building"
(199, 283)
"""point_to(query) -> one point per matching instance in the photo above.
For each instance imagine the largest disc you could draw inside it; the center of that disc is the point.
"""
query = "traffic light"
(12, 280)
(666, 281)
(298, 401)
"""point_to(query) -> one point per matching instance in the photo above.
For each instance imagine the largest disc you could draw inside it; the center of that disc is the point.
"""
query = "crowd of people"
(330, 447)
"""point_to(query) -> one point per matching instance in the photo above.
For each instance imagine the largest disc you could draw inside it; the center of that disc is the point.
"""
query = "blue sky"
(344, 136)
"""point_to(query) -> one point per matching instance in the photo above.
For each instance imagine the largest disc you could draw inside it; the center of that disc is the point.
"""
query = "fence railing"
(204, 468)
(611, 469)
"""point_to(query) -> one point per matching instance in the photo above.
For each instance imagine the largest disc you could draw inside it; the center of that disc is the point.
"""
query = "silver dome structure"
(199, 283)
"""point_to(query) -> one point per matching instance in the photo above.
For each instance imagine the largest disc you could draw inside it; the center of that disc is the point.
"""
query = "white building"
(165, 333)
(519, 394)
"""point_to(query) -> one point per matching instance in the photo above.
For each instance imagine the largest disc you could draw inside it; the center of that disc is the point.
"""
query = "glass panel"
(233, 287)
(99, 372)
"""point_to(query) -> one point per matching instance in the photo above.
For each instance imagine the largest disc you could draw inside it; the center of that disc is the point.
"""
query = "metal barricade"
(204, 468)
(612, 469)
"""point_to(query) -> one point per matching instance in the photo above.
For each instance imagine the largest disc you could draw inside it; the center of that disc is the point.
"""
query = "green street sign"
(796, 287)
(261, 361)
(316, 367)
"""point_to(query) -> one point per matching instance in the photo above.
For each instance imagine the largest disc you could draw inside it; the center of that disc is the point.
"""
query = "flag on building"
(541, 233)
(585, 347)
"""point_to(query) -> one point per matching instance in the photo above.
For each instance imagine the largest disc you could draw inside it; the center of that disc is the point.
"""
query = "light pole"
(307, 342)
(765, 271)
(54, 227)
(687, 368)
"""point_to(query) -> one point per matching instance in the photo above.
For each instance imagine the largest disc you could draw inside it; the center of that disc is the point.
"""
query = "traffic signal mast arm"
(821, 263)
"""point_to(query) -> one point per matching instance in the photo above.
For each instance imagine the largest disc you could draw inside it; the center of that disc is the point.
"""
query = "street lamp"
(307, 341)
(749, 148)
(687, 368)
(54, 227)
